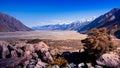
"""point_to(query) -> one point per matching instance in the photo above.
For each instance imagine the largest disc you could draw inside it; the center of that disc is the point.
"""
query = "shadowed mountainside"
(10, 24)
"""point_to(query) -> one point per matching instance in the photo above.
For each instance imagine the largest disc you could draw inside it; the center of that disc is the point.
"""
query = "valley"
(53, 35)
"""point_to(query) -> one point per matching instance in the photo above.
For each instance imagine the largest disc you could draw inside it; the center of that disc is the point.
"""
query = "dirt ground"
(53, 35)
(61, 40)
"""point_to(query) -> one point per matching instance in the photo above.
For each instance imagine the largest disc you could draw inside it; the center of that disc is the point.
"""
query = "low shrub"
(97, 43)
(34, 41)
(60, 61)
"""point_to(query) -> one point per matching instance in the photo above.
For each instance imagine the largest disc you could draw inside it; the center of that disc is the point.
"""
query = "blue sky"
(42, 12)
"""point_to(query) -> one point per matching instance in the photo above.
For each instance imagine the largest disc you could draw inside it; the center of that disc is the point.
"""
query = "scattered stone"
(41, 45)
(33, 62)
(13, 54)
(55, 66)
(98, 66)
(71, 65)
(26, 63)
(28, 55)
(34, 55)
(40, 64)
(54, 51)
(20, 44)
(29, 47)
(82, 50)
(5, 51)
(89, 65)
(30, 66)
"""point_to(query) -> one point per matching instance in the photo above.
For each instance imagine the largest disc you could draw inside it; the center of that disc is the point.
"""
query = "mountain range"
(76, 25)
(110, 20)
(10, 24)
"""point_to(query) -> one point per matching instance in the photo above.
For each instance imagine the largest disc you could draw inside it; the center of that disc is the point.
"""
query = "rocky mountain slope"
(10, 24)
(110, 20)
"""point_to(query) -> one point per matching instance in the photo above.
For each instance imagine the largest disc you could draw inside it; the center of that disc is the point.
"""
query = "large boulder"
(43, 52)
(19, 44)
(41, 45)
(29, 47)
(3, 49)
(109, 60)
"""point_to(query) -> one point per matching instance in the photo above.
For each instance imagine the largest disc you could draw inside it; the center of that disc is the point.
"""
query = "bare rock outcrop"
(43, 52)
(35, 55)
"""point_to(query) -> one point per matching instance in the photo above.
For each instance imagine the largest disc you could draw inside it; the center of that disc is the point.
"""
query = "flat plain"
(53, 35)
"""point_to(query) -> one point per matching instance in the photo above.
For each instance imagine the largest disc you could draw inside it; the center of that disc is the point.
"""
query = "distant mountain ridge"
(76, 25)
(10, 24)
(110, 20)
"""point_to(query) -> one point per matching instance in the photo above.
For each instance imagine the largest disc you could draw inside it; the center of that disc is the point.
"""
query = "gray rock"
(80, 65)
(5, 51)
(33, 62)
(109, 60)
(55, 66)
(26, 63)
(13, 54)
(89, 65)
(34, 55)
(29, 47)
(44, 52)
(41, 45)
(11, 62)
(98, 66)
(30, 66)
(71, 65)
(46, 55)
(40, 64)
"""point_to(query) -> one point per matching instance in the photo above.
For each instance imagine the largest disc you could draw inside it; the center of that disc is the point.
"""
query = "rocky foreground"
(99, 50)
(36, 54)
(24, 55)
